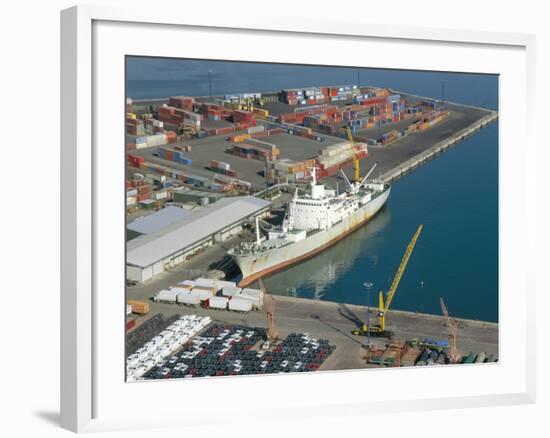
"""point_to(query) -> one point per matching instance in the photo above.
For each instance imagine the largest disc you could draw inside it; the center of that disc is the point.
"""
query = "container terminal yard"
(205, 174)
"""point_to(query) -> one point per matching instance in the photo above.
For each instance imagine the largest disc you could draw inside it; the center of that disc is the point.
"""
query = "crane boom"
(401, 268)
(452, 329)
(384, 306)
(269, 305)
(356, 176)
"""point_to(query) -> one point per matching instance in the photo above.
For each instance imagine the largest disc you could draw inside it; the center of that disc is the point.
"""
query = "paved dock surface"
(335, 322)
(391, 157)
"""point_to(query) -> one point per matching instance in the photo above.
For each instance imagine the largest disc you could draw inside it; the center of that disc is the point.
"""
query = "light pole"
(368, 286)
(210, 83)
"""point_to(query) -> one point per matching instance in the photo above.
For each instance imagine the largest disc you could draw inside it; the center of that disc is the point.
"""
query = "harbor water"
(455, 195)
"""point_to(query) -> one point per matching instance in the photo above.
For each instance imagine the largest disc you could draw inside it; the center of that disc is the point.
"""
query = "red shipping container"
(144, 189)
(143, 197)
(130, 324)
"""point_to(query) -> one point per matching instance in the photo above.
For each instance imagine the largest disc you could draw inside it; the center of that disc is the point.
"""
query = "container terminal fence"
(223, 350)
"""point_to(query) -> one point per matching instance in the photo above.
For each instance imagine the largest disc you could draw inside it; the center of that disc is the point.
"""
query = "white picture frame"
(93, 396)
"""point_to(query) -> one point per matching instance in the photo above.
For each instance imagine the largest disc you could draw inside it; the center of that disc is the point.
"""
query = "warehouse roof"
(151, 248)
(158, 220)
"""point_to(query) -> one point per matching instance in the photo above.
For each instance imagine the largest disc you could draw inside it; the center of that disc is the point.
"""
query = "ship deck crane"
(356, 174)
(384, 306)
(269, 306)
(452, 327)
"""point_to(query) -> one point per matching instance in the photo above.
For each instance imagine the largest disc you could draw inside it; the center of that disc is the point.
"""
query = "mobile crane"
(379, 330)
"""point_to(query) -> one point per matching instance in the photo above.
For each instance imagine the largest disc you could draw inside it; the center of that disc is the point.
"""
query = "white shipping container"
(254, 301)
(258, 128)
(128, 309)
(187, 283)
(167, 296)
(201, 293)
(218, 302)
(229, 291)
(181, 289)
(163, 194)
(187, 298)
(204, 281)
(131, 200)
(223, 283)
(256, 293)
(240, 305)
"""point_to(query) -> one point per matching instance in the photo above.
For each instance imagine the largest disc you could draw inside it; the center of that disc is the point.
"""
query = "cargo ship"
(312, 223)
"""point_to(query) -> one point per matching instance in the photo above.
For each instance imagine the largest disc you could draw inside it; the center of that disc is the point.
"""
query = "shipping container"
(239, 304)
(139, 307)
(217, 302)
(188, 299)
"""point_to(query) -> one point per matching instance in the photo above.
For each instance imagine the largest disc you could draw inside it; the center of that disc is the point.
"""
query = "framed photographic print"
(332, 218)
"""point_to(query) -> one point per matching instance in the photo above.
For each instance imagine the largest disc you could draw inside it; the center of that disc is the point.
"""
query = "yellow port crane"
(452, 328)
(383, 307)
(356, 175)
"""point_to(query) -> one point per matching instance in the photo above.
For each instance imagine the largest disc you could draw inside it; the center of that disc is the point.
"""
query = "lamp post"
(210, 83)
(367, 285)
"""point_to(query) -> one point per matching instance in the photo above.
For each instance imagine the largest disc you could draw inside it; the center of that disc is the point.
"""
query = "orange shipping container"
(139, 307)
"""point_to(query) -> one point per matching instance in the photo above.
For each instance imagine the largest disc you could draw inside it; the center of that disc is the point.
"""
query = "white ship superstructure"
(312, 223)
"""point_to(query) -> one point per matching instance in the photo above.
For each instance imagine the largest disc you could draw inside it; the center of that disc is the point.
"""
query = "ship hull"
(254, 266)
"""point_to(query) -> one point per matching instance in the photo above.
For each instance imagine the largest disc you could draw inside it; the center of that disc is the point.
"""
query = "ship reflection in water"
(314, 277)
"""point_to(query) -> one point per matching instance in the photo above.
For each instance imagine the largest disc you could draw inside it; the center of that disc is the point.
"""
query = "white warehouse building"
(150, 254)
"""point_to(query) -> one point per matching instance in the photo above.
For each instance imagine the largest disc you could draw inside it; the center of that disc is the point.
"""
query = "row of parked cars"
(164, 344)
(223, 350)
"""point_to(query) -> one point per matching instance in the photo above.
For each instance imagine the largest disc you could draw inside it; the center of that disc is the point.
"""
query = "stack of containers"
(151, 140)
(290, 96)
(134, 126)
(261, 153)
(135, 160)
(222, 167)
(332, 158)
(176, 117)
(182, 147)
(293, 170)
(181, 102)
(173, 155)
(240, 116)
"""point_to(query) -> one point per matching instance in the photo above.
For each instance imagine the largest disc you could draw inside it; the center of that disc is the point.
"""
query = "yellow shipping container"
(131, 116)
(139, 307)
(241, 138)
(261, 112)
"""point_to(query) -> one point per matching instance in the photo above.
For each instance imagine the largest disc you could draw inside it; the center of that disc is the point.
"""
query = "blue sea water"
(455, 196)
